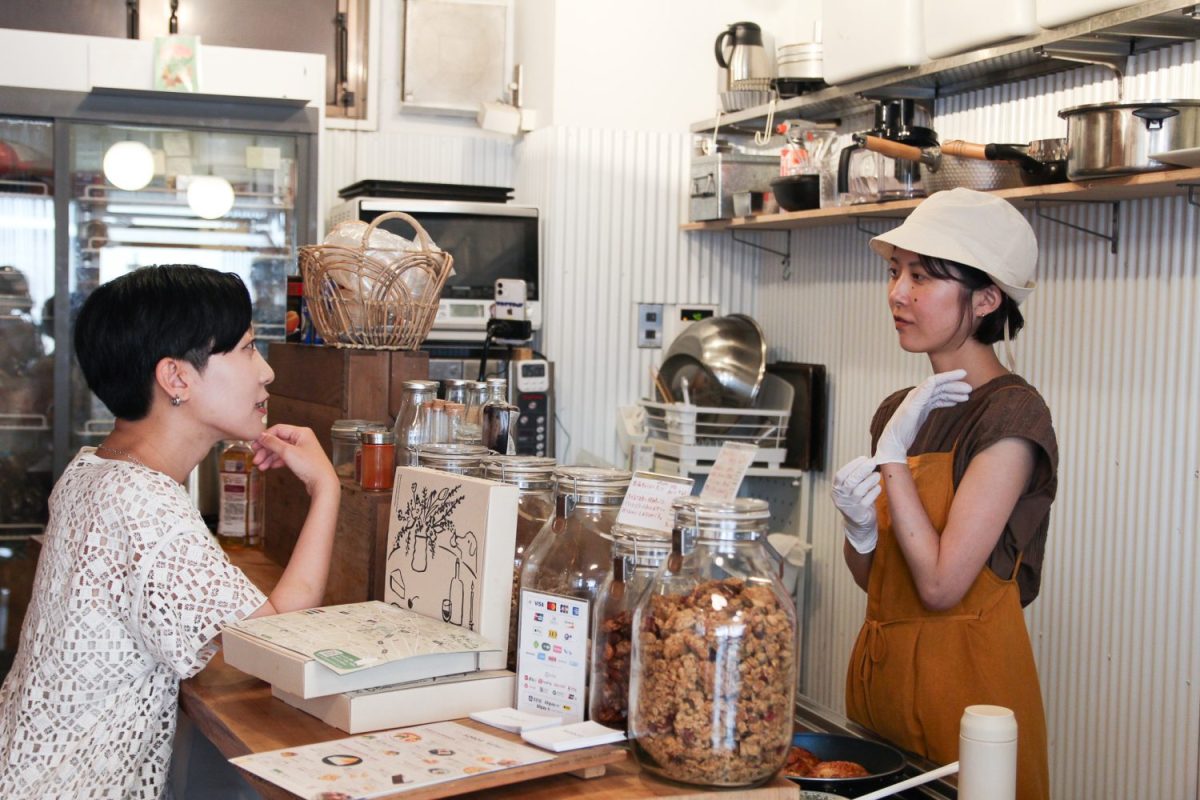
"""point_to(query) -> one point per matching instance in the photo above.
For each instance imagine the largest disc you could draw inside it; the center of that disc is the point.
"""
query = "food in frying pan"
(802, 763)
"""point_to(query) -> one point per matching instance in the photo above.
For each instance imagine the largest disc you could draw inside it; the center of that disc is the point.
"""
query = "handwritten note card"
(648, 500)
(728, 471)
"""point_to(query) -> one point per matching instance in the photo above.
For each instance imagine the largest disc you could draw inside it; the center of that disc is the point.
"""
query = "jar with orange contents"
(378, 458)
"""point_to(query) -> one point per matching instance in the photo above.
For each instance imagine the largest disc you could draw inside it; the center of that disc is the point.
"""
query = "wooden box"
(313, 387)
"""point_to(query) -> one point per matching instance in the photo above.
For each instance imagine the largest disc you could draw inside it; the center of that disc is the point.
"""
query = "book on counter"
(403, 704)
(336, 649)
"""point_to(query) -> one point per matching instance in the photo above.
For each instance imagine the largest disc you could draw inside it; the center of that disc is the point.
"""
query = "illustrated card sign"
(451, 540)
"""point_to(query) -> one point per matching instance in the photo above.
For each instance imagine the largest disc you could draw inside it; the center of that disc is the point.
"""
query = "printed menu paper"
(357, 636)
(378, 764)
(728, 471)
(648, 499)
(552, 655)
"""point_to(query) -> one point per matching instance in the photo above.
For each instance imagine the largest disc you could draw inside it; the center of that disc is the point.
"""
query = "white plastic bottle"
(987, 754)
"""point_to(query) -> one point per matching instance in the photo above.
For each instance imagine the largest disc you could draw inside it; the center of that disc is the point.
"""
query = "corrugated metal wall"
(1112, 343)
(611, 239)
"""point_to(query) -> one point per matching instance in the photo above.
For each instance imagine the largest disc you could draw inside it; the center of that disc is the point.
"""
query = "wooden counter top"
(239, 715)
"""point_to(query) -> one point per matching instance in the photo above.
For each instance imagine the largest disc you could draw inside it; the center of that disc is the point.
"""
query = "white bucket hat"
(971, 228)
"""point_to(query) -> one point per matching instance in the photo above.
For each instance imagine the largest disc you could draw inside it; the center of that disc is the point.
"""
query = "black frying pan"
(886, 764)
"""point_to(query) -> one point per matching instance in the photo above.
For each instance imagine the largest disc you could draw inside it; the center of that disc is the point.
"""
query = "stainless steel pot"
(1106, 139)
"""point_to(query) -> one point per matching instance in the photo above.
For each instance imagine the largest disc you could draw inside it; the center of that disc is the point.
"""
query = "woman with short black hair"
(132, 589)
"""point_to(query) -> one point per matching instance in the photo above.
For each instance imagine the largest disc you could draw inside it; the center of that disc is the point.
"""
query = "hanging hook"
(786, 256)
(173, 22)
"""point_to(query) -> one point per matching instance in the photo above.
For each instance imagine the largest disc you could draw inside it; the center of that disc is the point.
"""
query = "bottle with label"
(241, 520)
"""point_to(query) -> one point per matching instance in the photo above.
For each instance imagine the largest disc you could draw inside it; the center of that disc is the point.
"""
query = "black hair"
(991, 328)
(128, 325)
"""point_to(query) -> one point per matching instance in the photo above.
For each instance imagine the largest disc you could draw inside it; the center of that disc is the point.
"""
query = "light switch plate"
(650, 325)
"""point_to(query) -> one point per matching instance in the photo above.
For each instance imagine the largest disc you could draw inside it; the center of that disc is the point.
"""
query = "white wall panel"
(611, 211)
(1112, 344)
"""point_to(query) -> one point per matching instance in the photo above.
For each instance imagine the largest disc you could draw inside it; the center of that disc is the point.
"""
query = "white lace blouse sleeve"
(188, 590)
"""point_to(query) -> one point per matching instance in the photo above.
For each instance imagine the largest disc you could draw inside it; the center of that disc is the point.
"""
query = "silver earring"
(176, 401)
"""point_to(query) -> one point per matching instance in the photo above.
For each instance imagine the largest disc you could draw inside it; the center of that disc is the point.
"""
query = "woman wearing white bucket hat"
(947, 537)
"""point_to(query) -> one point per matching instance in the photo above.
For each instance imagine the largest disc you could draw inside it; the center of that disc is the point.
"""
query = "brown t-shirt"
(1002, 408)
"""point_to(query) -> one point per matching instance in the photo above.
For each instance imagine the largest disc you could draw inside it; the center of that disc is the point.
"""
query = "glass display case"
(93, 185)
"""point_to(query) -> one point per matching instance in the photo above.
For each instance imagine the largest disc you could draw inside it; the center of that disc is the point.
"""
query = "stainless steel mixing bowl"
(723, 359)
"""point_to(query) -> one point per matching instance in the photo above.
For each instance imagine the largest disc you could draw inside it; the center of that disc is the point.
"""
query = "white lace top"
(131, 591)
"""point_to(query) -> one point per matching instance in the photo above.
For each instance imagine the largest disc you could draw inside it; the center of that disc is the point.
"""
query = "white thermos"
(987, 754)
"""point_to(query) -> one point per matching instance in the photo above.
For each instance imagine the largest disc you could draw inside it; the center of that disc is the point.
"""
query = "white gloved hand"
(855, 488)
(937, 391)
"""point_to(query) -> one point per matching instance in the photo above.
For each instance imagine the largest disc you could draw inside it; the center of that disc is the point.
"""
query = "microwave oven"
(488, 241)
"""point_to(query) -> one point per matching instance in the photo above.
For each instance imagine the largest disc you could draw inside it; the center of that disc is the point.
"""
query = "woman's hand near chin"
(297, 449)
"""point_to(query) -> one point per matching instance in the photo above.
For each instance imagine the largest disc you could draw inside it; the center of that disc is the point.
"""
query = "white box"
(401, 705)
(280, 649)
(870, 36)
(953, 26)
(450, 549)
(1052, 13)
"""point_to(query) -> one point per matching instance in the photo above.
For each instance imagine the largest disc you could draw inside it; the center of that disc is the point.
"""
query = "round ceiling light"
(129, 165)
(210, 196)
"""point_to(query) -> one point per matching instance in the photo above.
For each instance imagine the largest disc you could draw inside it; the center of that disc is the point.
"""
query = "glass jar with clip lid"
(637, 553)
(714, 659)
(459, 459)
(534, 478)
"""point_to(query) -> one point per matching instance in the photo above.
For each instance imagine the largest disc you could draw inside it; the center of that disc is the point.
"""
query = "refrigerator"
(92, 186)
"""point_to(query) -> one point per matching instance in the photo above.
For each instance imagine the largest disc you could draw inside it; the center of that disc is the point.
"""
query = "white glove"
(937, 391)
(855, 487)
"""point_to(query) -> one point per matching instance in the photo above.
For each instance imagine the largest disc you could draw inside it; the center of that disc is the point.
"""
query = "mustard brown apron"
(913, 671)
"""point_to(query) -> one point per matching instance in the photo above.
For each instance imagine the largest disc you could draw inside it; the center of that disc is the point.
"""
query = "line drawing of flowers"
(426, 515)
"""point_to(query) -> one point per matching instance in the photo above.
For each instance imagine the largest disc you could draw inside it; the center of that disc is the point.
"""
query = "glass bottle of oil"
(241, 518)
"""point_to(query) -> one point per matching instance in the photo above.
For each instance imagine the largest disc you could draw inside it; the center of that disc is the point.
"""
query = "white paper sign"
(648, 500)
(728, 471)
(552, 648)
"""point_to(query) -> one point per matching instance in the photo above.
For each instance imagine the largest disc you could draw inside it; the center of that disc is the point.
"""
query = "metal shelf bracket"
(1191, 193)
(783, 254)
(861, 228)
(1113, 237)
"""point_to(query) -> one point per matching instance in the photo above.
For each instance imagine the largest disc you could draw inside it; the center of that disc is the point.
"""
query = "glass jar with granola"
(714, 652)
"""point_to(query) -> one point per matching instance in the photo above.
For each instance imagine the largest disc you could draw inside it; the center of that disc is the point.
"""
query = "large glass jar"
(460, 459)
(714, 661)
(534, 479)
(572, 552)
(637, 555)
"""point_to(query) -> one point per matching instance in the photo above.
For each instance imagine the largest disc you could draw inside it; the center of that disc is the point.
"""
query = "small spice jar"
(344, 441)
(459, 459)
(637, 555)
(378, 458)
(714, 656)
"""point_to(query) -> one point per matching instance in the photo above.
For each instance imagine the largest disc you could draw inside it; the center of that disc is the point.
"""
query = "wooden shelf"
(1127, 187)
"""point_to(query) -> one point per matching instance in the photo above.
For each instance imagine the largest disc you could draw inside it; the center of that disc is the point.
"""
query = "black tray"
(427, 191)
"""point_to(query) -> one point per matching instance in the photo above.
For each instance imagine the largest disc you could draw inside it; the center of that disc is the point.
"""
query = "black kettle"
(747, 58)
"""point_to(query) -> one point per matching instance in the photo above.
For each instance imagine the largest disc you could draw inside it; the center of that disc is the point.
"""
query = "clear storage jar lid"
(348, 428)
(742, 518)
(461, 459)
(415, 385)
(641, 546)
(524, 472)
(592, 485)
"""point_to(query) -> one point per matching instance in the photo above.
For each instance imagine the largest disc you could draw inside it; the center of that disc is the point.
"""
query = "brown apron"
(913, 671)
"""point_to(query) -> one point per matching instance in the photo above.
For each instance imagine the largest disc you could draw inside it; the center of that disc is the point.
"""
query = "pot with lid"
(1105, 139)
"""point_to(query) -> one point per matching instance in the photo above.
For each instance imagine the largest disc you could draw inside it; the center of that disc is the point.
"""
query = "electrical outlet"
(650, 325)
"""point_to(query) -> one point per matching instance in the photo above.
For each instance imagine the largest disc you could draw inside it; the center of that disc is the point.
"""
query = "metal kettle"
(746, 59)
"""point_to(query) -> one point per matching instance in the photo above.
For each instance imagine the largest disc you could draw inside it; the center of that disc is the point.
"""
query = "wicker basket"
(356, 300)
